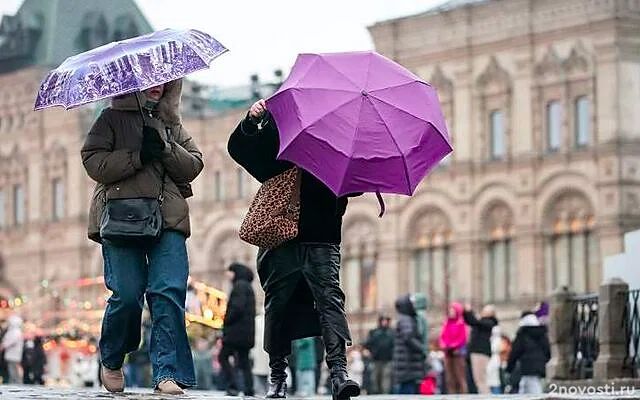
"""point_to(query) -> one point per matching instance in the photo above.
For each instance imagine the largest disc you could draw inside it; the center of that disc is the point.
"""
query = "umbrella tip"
(364, 93)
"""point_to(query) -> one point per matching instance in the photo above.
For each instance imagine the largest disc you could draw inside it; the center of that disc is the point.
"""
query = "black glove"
(152, 145)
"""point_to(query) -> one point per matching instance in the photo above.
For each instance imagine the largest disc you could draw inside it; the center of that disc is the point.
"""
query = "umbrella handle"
(382, 205)
(139, 107)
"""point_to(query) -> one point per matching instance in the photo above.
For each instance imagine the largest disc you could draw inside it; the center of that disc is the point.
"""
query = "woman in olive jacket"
(129, 158)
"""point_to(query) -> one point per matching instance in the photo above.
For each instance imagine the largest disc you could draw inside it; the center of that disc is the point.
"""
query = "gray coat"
(409, 354)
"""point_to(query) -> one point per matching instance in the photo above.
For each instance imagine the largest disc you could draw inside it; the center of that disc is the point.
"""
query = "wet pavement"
(33, 392)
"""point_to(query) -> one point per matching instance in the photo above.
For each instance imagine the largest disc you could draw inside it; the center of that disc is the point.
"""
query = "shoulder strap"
(164, 171)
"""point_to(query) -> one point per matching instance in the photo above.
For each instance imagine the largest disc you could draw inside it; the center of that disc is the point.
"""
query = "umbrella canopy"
(127, 66)
(359, 122)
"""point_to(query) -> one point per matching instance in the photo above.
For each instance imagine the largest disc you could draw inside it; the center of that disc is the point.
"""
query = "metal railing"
(631, 326)
(584, 331)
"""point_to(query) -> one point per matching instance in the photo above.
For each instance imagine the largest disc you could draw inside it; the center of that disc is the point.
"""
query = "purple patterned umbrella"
(127, 66)
(359, 122)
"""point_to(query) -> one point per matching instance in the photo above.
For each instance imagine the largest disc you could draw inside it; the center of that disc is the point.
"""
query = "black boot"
(342, 387)
(278, 379)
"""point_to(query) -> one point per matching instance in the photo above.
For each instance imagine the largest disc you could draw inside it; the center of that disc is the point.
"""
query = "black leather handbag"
(132, 222)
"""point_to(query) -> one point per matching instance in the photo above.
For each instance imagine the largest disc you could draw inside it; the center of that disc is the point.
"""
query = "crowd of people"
(470, 355)
(143, 162)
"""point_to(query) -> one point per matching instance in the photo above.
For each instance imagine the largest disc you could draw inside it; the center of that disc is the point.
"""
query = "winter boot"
(342, 388)
(278, 379)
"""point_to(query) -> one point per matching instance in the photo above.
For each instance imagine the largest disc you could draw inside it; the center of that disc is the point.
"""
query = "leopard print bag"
(274, 213)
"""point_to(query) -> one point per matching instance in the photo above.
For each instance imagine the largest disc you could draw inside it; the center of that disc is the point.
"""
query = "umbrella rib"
(342, 73)
(355, 134)
(413, 82)
(398, 108)
(404, 159)
(411, 115)
(325, 115)
(304, 75)
(353, 141)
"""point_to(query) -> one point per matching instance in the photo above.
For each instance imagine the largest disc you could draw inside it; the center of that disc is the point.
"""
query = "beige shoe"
(112, 379)
(169, 386)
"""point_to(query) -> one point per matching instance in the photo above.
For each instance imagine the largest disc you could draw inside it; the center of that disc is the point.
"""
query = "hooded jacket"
(239, 320)
(409, 353)
(111, 157)
(12, 342)
(380, 342)
(531, 348)
(454, 332)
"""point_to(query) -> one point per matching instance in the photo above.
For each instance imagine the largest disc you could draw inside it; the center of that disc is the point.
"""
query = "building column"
(527, 282)
(560, 335)
(612, 339)
(611, 240)
(391, 266)
(465, 271)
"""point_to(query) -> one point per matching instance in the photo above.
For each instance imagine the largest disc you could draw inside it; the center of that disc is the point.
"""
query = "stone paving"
(32, 392)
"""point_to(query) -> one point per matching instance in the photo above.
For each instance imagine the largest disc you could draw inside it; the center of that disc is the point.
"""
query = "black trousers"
(241, 359)
(301, 282)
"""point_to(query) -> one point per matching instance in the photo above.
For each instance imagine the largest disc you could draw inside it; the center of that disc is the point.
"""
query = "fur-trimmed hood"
(168, 108)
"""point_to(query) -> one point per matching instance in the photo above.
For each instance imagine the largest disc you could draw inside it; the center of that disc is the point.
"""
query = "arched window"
(218, 186)
(499, 266)
(582, 125)
(240, 178)
(359, 269)
(493, 96)
(58, 196)
(554, 126)
(94, 31)
(432, 256)
(19, 205)
(496, 124)
(3, 215)
(125, 28)
(571, 246)
(445, 89)
(55, 173)
(228, 249)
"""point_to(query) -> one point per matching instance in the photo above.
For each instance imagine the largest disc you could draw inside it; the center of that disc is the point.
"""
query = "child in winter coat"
(531, 347)
(12, 345)
(493, 368)
(453, 340)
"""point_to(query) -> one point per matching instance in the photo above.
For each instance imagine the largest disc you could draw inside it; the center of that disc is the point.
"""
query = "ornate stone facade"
(537, 191)
(526, 202)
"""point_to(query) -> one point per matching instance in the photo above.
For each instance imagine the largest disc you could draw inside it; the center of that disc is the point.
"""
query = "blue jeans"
(161, 273)
(410, 387)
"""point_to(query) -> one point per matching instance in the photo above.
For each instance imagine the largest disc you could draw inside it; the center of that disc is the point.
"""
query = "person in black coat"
(34, 360)
(380, 344)
(409, 352)
(238, 332)
(300, 278)
(531, 349)
(480, 343)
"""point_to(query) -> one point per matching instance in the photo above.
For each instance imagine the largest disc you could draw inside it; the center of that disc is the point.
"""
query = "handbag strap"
(164, 174)
(164, 170)
(295, 196)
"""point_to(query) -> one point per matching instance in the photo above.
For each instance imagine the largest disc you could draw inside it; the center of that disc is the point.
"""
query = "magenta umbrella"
(359, 122)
